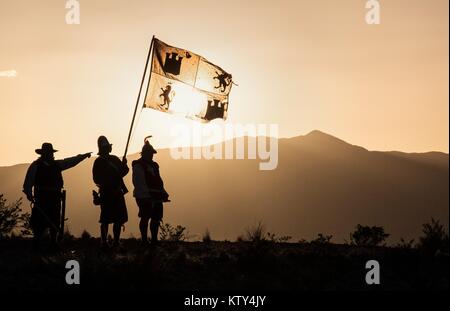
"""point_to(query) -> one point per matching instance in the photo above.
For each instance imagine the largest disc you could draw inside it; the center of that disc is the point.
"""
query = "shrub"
(206, 237)
(434, 238)
(403, 244)
(368, 236)
(255, 233)
(170, 233)
(322, 239)
(258, 233)
(85, 235)
(12, 220)
(67, 235)
(272, 237)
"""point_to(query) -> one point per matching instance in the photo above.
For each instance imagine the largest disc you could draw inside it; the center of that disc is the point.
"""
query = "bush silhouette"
(322, 239)
(258, 233)
(170, 233)
(85, 235)
(368, 236)
(434, 238)
(272, 237)
(255, 233)
(206, 237)
(240, 238)
(67, 235)
(404, 244)
(12, 219)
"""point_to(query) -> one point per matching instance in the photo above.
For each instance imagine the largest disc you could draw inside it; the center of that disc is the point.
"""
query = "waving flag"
(184, 83)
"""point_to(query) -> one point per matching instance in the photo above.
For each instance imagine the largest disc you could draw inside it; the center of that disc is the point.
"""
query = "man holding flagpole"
(183, 83)
(149, 192)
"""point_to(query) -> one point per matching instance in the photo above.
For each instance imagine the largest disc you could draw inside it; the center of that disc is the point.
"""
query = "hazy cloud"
(8, 74)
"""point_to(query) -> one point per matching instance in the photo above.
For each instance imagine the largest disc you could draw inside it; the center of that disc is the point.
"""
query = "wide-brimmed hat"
(147, 146)
(45, 149)
(102, 142)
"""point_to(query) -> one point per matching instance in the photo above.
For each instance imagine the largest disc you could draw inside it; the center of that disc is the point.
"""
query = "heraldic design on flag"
(184, 83)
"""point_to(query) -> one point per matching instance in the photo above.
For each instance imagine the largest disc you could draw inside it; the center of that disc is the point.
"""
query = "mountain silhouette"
(322, 185)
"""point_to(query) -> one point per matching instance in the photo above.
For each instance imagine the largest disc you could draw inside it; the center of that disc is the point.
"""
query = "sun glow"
(187, 101)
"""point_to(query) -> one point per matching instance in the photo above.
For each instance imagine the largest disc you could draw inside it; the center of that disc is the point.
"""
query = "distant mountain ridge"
(322, 184)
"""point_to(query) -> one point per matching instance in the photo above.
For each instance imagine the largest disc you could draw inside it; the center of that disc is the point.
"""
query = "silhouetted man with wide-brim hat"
(108, 173)
(42, 186)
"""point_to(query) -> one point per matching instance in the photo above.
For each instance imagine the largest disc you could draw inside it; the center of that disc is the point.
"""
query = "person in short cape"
(149, 192)
(108, 172)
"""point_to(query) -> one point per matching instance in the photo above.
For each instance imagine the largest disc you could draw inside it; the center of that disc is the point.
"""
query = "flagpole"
(139, 97)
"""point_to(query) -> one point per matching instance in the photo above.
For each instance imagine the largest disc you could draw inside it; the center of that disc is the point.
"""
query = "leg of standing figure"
(154, 227)
(143, 227)
(37, 235)
(53, 237)
(104, 234)
(116, 231)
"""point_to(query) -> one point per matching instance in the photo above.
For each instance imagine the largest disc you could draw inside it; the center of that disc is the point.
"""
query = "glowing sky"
(304, 65)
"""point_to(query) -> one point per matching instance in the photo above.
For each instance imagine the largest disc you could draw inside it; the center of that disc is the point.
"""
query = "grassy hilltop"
(215, 265)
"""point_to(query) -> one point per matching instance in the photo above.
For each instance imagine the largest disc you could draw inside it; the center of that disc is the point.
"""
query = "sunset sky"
(304, 65)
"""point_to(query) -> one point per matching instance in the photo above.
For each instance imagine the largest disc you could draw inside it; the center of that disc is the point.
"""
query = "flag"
(184, 83)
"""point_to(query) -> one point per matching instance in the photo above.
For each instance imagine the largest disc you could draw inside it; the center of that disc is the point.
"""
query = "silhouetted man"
(108, 172)
(149, 192)
(45, 176)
